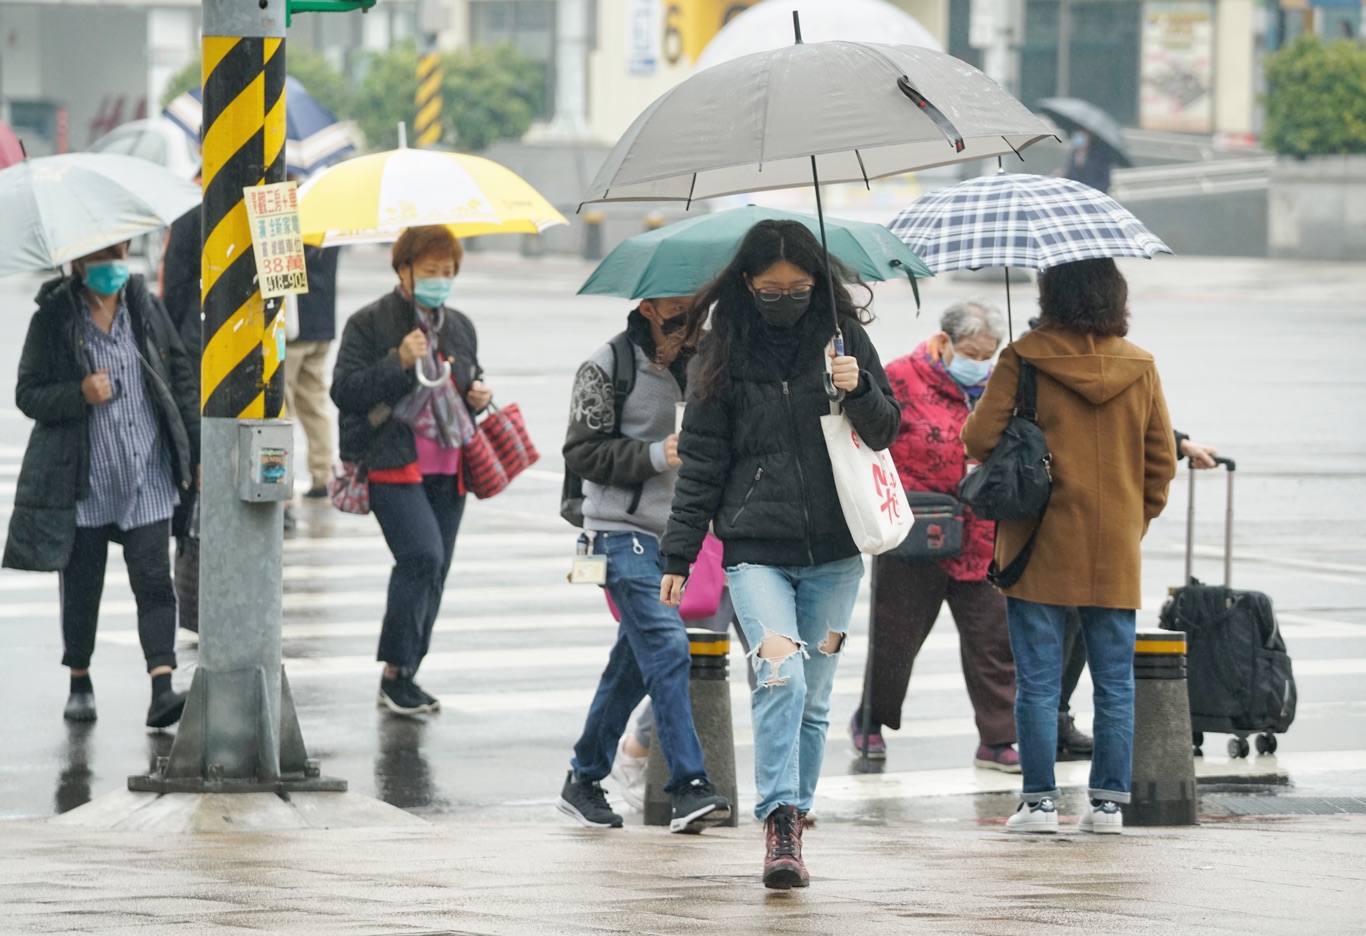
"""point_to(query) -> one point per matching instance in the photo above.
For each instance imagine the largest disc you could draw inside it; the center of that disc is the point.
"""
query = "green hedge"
(1316, 98)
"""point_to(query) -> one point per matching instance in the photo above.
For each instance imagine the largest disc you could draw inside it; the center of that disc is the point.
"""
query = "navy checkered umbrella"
(1019, 220)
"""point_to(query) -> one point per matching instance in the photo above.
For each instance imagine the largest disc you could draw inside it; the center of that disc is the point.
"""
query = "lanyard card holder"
(587, 569)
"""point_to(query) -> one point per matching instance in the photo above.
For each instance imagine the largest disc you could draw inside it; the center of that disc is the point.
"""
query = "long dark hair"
(731, 305)
(1086, 296)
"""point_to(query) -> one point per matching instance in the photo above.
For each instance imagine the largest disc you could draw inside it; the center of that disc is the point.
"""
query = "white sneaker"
(1041, 818)
(1105, 819)
(629, 774)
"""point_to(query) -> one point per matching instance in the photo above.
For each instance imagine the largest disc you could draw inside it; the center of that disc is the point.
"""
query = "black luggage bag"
(1238, 673)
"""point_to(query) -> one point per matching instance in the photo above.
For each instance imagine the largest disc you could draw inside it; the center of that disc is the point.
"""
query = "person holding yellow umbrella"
(407, 379)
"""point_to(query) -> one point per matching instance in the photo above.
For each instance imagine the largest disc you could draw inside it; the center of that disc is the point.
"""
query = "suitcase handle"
(1231, 467)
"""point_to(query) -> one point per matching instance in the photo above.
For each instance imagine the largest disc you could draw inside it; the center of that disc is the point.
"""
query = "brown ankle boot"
(783, 866)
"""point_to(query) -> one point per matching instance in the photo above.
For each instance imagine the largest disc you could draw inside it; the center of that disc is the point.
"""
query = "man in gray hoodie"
(628, 461)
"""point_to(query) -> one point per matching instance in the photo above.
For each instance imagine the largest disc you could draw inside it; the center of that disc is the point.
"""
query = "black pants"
(147, 554)
(419, 522)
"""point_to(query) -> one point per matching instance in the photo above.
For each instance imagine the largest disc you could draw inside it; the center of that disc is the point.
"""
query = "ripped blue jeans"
(803, 613)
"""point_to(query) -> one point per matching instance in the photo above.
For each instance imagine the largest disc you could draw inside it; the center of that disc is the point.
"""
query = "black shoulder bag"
(1015, 481)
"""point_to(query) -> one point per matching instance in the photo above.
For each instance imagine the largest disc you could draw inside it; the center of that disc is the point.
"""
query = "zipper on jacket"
(748, 494)
(801, 475)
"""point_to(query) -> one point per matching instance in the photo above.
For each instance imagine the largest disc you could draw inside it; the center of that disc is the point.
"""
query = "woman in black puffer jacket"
(755, 465)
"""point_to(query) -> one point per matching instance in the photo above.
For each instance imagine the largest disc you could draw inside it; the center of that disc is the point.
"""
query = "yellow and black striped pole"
(244, 145)
(427, 127)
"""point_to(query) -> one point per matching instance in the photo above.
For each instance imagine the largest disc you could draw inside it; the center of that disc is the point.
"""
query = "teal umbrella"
(678, 259)
(58, 208)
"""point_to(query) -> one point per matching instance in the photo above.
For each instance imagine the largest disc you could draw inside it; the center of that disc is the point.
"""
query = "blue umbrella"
(314, 138)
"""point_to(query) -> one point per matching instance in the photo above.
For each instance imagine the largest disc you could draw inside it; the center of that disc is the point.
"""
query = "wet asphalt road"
(1258, 358)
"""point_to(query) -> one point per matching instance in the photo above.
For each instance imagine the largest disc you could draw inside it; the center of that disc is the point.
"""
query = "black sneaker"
(433, 703)
(165, 709)
(586, 801)
(698, 806)
(402, 696)
(316, 493)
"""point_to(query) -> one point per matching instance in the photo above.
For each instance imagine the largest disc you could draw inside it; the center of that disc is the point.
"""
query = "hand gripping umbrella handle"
(834, 393)
(437, 381)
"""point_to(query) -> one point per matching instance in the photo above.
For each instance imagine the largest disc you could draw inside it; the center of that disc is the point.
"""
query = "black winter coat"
(56, 468)
(367, 380)
(755, 461)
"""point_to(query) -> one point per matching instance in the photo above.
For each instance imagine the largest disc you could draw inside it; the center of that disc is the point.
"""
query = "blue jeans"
(651, 658)
(1036, 636)
(811, 606)
(419, 522)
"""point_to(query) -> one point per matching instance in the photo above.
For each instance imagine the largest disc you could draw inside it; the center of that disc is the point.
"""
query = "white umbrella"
(58, 208)
(767, 25)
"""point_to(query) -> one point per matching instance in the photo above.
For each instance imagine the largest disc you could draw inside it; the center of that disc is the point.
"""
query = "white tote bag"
(869, 487)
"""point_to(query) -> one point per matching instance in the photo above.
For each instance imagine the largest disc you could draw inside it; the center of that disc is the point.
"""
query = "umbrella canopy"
(11, 150)
(862, 110)
(371, 199)
(314, 137)
(1018, 220)
(58, 208)
(680, 258)
(767, 25)
(1075, 114)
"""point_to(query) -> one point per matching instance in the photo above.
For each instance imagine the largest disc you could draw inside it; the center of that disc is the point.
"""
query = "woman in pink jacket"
(937, 385)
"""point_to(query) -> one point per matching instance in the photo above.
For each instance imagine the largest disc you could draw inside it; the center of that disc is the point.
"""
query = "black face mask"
(672, 326)
(782, 313)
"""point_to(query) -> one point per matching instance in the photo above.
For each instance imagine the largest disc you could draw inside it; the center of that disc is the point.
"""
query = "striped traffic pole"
(239, 731)
(1162, 784)
(428, 100)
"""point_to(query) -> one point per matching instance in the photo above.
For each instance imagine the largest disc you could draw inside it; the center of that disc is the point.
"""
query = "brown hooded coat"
(1114, 455)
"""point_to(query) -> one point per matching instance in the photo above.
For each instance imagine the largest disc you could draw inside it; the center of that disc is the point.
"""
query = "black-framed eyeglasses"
(799, 293)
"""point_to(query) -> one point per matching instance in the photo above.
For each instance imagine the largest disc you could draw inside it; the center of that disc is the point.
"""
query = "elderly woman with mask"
(407, 435)
(937, 386)
(114, 446)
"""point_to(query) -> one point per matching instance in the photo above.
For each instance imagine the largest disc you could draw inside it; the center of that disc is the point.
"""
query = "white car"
(160, 141)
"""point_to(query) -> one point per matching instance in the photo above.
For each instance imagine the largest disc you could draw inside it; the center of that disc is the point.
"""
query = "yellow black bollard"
(1163, 783)
(427, 126)
(709, 686)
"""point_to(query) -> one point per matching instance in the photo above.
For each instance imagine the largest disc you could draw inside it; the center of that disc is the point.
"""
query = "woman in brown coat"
(1101, 408)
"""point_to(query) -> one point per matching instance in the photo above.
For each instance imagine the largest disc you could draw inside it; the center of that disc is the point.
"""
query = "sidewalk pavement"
(461, 875)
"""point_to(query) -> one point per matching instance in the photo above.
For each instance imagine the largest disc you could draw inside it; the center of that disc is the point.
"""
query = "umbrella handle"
(426, 381)
(837, 344)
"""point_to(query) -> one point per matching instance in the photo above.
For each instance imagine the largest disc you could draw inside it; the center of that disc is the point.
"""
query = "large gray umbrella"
(1075, 114)
(862, 111)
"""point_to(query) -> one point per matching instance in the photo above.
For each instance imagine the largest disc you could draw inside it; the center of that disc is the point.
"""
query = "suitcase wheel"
(1238, 747)
(1266, 743)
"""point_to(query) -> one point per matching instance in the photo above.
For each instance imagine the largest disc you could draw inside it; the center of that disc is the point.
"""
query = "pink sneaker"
(1002, 757)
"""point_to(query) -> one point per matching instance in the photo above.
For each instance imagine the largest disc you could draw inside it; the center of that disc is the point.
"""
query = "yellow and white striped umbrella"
(371, 199)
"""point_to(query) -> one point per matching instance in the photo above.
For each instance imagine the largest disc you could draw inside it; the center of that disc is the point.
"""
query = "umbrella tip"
(797, 26)
(402, 135)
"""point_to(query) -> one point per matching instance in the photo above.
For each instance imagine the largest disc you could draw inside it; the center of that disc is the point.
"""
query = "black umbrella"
(1075, 114)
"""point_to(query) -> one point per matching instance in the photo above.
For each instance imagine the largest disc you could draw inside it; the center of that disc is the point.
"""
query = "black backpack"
(623, 382)
(1015, 481)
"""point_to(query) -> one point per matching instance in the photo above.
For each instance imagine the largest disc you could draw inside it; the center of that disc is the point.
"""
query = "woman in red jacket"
(937, 385)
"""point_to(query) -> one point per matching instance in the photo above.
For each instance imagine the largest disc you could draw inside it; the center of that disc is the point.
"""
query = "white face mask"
(966, 372)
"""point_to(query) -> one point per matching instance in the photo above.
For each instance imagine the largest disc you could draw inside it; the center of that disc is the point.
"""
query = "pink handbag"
(703, 595)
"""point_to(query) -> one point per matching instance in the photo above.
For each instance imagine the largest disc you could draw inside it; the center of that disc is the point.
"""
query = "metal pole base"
(204, 761)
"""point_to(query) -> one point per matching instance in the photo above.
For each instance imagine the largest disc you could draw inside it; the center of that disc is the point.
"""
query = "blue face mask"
(432, 291)
(966, 372)
(107, 277)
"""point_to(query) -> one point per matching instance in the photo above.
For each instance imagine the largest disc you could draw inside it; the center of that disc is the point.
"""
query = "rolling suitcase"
(1238, 673)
